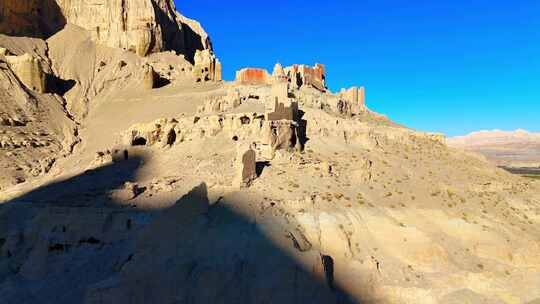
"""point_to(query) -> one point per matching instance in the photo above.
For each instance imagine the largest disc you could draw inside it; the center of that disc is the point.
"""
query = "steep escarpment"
(269, 189)
(142, 27)
(35, 128)
(31, 18)
(114, 47)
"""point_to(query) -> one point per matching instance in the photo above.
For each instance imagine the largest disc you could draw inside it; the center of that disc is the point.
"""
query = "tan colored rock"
(279, 73)
(207, 66)
(303, 75)
(142, 27)
(29, 71)
(355, 96)
(280, 93)
(149, 77)
(281, 134)
(232, 100)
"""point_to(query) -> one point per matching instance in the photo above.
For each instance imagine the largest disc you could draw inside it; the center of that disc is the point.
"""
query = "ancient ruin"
(253, 76)
(303, 75)
(355, 96)
(207, 67)
(131, 172)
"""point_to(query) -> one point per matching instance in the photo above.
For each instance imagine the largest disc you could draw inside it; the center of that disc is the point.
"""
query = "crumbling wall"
(303, 75)
(232, 100)
(207, 66)
(355, 96)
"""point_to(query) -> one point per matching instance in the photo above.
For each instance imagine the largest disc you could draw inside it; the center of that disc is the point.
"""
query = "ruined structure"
(29, 71)
(356, 96)
(297, 75)
(303, 75)
(232, 100)
(253, 76)
(207, 66)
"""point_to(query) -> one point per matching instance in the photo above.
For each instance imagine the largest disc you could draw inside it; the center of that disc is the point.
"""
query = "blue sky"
(445, 66)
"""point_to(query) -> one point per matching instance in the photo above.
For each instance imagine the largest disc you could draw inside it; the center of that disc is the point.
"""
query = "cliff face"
(142, 27)
(60, 58)
(33, 18)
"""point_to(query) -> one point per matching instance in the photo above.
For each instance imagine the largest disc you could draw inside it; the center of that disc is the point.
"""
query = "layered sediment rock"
(32, 18)
(29, 71)
(143, 27)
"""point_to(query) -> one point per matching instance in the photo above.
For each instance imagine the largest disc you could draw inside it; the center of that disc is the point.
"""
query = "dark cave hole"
(139, 141)
(328, 265)
(245, 120)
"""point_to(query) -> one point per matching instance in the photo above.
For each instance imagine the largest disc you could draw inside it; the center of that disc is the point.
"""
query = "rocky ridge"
(187, 191)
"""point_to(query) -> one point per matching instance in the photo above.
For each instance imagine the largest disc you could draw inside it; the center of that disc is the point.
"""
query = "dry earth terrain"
(131, 173)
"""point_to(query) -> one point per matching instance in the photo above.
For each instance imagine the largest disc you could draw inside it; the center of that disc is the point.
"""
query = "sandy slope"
(367, 212)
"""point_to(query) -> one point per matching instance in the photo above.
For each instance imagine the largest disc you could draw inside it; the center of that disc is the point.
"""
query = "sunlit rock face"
(253, 76)
(142, 27)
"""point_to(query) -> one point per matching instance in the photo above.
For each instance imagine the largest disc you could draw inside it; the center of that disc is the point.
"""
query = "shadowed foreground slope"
(91, 250)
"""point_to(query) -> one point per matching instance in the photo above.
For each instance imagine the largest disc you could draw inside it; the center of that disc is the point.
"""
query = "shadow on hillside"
(41, 21)
(180, 38)
(67, 243)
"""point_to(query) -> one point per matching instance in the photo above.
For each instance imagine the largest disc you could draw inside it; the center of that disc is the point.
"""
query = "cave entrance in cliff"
(139, 141)
(328, 266)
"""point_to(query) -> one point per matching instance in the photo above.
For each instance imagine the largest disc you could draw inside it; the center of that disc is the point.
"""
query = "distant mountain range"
(519, 148)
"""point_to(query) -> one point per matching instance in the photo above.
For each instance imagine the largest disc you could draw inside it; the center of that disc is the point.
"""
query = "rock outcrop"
(303, 75)
(142, 27)
(29, 71)
(207, 66)
(31, 18)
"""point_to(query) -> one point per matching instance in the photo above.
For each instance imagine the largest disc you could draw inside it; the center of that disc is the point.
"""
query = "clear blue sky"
(446, 66)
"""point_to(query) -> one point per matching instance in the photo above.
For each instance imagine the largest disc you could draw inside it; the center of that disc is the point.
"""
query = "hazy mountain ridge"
(508, 148)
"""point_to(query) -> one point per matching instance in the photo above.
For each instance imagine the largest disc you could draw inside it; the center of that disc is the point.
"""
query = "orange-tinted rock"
(253, 76)
(303, 75)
